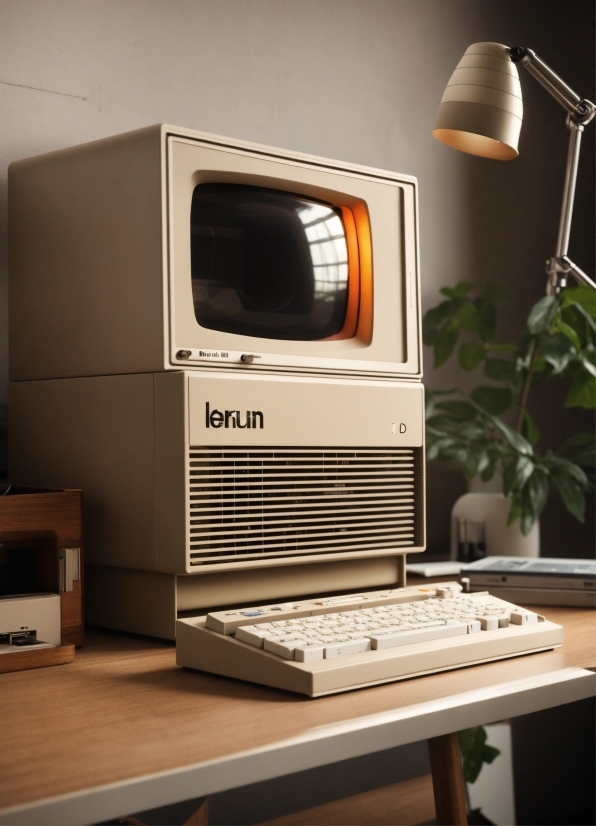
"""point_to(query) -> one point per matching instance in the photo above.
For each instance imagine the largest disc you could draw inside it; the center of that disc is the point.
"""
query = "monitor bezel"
(191, 161)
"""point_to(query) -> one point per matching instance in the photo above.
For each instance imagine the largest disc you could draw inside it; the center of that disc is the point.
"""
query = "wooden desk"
(122, 729)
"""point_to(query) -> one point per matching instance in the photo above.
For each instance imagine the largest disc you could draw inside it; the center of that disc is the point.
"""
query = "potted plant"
(491, 429)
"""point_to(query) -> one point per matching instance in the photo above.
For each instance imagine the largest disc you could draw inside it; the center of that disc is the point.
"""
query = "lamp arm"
(580, 109)
(580, 112)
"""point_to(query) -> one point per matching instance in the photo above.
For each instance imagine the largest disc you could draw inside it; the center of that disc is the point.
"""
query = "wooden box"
(36, 524)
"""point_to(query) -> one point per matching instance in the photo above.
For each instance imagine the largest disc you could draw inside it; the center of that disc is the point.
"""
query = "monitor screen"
(270, 264)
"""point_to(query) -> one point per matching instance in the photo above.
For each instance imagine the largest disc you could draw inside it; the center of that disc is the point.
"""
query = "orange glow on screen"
(358, 321)
(365, 315)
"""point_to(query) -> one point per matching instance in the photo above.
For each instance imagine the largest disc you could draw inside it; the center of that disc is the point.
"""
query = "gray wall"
(358, 80)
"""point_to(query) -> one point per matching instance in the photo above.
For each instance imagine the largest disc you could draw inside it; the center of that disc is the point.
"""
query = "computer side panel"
(171, 472)
(96, 434)
(86, 259)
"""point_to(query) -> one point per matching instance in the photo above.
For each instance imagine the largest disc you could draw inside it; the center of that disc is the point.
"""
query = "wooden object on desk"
(21, 660)
(45, 520)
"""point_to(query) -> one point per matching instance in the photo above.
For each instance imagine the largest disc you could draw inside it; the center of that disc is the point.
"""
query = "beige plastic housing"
(100, 280)
(130, 442)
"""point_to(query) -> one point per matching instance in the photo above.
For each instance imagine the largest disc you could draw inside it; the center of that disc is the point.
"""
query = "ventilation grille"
(248, 502)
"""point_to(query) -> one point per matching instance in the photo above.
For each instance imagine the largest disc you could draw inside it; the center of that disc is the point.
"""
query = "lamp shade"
(481, 110)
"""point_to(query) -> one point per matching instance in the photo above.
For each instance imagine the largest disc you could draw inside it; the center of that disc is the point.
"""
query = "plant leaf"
(588, 359)
(581, 449)
(585, 297)
(570, 492)
(459, 290)
(542, 314)
(557, 350)
(432, 320)
(538, 490)
(562, 465)
(470, 355)
(568, 331)
(489, 471)
(466, 317)
(540, 365)
(501, 348)
(579, 440)
(444, 344)
(428, 402)
(517, 474)
(462, 411)
(502, 370)
(514, 513)
(475, 752)
(435, 450)
(495, 400)
(487, 318)
(582, 392)
(515, 440)
(531, 431)
(508, 476)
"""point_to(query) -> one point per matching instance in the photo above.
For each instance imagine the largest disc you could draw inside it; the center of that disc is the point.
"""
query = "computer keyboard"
(330, 644)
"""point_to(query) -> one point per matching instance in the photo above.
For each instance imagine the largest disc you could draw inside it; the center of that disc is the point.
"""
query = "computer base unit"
(214, 489)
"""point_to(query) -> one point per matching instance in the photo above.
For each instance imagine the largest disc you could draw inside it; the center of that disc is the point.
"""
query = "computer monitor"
(164, 249)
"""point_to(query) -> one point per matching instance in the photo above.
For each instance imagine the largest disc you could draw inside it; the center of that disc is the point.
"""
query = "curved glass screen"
(267, 263)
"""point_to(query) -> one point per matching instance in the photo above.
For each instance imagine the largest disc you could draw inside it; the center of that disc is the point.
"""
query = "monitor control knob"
(248, 358)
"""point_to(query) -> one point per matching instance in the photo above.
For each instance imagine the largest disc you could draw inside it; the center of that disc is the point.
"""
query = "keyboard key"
(520, 617)
(309, 652)
(488, 623)
(283, 646)
(341, 649)
(252, 634)
(382, 641)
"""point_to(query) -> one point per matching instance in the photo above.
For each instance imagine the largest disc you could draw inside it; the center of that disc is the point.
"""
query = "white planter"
(493, 510)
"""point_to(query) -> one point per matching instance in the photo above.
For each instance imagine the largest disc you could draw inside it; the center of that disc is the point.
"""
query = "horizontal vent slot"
(254, 503)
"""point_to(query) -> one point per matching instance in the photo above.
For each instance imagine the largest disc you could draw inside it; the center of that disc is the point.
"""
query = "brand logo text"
(233, 418)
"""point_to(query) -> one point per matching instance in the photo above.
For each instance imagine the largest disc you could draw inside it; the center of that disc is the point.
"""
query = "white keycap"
(283, 646)
(473, 626)
(309, 652)
(383, 641)
(253, 634)
(523, 617)
(341, 649)
(488, 623)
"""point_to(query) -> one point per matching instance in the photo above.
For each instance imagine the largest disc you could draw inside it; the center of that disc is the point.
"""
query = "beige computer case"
(100, 307)
(323, 493)
(99, 253)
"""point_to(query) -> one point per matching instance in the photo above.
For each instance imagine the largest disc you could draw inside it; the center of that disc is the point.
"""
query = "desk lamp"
(481, 113)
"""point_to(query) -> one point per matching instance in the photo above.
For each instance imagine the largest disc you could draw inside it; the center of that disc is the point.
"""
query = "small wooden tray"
(45, 520)
(21, 660)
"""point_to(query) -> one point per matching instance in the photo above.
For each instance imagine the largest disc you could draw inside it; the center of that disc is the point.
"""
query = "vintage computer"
(219, 342)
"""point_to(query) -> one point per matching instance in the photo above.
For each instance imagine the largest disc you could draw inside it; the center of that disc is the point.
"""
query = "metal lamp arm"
(579, 108)
(580, 112)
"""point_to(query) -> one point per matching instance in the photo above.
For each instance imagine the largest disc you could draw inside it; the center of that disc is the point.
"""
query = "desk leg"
(201, 816)
(448, 780)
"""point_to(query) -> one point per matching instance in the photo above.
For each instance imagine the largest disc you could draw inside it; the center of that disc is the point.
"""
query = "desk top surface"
(123, 709)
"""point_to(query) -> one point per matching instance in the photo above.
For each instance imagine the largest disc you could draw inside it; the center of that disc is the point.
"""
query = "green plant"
(558, 343)
(475, 752)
